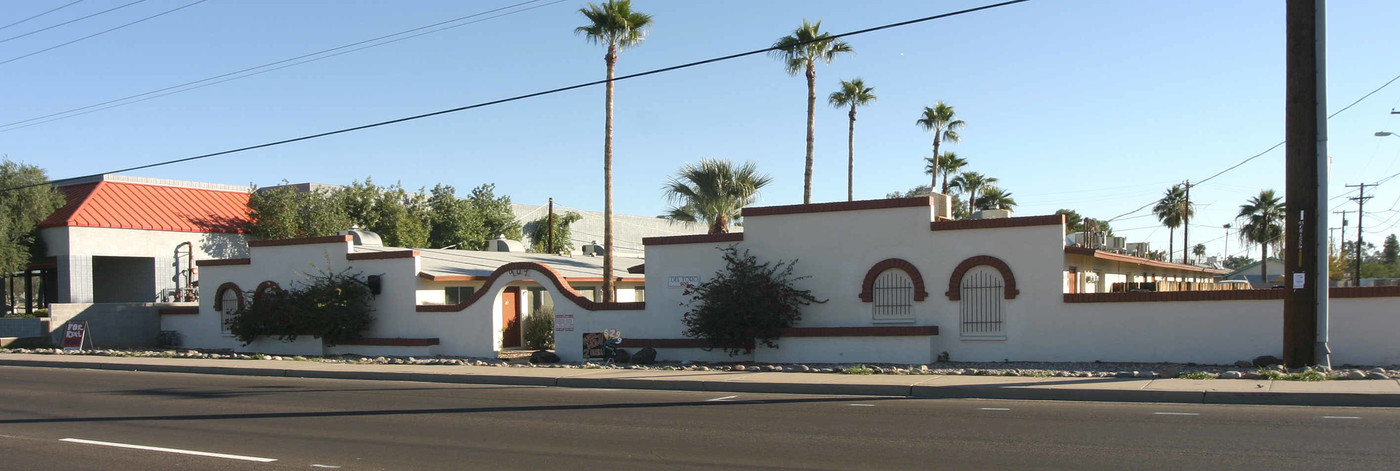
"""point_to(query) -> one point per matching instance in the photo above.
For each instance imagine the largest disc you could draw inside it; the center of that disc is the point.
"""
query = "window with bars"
(982, 292)
(894, 297)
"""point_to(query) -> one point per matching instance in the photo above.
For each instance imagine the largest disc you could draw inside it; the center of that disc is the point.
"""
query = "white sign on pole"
(1299, 280)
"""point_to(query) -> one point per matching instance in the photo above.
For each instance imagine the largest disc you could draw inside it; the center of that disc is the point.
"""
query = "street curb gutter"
(731, 385)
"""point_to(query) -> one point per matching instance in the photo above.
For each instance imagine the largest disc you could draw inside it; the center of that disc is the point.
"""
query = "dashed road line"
(1339, 417)
(861, 405)
(324, 466)
(1175, 413)
(992, 408)
(725, 398)
(170, 450)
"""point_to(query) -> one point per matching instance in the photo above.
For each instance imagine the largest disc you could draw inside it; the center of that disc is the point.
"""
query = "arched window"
(981, 294)
(894, 296)
(228, 300)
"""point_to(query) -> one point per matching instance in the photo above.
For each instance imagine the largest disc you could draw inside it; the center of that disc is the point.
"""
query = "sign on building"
(563, 322)
(681, 281)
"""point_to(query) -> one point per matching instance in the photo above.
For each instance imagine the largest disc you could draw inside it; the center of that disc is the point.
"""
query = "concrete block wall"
(110, 325)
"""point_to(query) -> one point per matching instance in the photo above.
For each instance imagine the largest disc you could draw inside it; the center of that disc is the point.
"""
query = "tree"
(1169, 212)
(1199, 250)
(1073, 221)
(1262, 224)
(402, 218)
(358, 201)
(451, 219)
(948, 163)
(1235, 262)
(617, 27)
(23, 209)
(970, 183)
(800, 52)
(921, 190)
(746, 303)
(283, 212)
(853, 93)
(945, 126)
(1391, 251)
(495, 215)
(714, 192)
(993, 197)
(540, 233)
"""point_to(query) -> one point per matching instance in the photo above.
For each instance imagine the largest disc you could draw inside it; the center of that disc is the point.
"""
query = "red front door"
(510, 317)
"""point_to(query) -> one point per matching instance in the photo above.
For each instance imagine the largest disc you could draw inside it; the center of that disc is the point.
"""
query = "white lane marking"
(1339, 417)
(170, 450)
(725, 398)
(861, 405)
(1175, 413)
(324, 466)
(993, 408)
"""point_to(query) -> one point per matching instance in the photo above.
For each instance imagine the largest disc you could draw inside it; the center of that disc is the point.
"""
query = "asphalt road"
(88, 419)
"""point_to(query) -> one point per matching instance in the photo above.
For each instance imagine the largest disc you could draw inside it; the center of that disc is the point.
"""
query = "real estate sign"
(74, 335)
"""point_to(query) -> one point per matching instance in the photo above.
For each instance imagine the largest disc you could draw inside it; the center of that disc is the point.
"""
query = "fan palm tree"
(1199, 251)
(970, 183)
(945, 126)
(993, 197)
(853, 93)
(800, 53)
(1169, 210)
(949, 163)
(714, 191)
(617, 27)
(1262, 224)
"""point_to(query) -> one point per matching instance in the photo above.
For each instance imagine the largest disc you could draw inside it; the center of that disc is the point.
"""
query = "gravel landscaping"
(1241, 370)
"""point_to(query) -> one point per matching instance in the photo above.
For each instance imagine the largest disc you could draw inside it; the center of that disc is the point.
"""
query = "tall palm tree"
(617, 27)
(1169, 211)
(949, 163)
(1263, 224)
(800, 52)
(970, 183)
(714, 191)
(853, 93)
(945, 126)
(1199, 251)
(993, 197)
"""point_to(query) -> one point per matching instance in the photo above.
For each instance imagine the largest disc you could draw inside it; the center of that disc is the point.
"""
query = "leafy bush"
(539, 329)
(746, 303)
(332, 306)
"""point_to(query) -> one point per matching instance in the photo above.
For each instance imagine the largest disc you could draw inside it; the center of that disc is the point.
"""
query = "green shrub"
(1198, 375)
(332, 306)
(539, 329)
(858, 370)
(745, 304)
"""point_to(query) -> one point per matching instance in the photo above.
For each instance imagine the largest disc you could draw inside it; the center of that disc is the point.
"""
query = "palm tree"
(800, 52)
(1169, 211)
(971, 183)
(853, 93)
(949, 163)
(616, 26)
(1199, 251)
(993, 197)
(945, 126)
(714, 192)
(1263, 224)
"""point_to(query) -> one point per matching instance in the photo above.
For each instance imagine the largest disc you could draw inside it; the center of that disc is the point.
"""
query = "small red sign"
(74, 335)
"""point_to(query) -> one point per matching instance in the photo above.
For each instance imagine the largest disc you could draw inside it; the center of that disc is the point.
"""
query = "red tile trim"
(222, 262)
(560, 284)
(664, 343)
(382, 255)
(1050, 220)
(300, 241)
(867, 287)
(638, 270)
(599, 279)
(1236, 295)
(694, 239)
(954, 282)
(432, 277)
(219, 296)
(918, 201)
(882, 331)
(178, 310)
(395, 342)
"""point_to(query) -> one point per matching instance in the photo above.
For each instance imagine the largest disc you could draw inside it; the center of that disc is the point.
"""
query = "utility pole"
(1360, 200)
(1305, 226)
(1186, 228)
(551, 226)
(1344, 231)
(1227, 244)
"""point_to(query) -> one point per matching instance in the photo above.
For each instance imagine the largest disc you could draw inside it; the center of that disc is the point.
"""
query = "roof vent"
(502, 244)
(363, 237)
(592, 249)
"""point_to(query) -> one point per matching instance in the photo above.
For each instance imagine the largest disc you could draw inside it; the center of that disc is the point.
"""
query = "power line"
(42, 14)
(173, 10)
(180, 88)
(70, 21)
(525, 96)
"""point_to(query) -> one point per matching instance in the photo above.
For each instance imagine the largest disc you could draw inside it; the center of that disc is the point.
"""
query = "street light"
(1386, 133)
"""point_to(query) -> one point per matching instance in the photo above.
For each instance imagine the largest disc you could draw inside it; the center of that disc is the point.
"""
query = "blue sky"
(1093, 106)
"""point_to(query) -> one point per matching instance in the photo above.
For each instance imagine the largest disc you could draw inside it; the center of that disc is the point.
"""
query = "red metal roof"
(152, 207)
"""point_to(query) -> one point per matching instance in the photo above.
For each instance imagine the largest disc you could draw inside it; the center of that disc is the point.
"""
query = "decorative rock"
(1232, 374)
(802, 368)
(704, 368)
(1354, 374)
(1377, 375)
(621, 356)
(1123, 374)
(1244, 364)
(544, 356)
(1170, 372)
(738, 368)
(645, 356)
(1266, 360)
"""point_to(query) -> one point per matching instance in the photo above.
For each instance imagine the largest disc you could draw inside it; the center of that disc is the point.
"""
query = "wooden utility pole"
(1305, 226)
(1186, 228)
(1360, 200)
(551, 227)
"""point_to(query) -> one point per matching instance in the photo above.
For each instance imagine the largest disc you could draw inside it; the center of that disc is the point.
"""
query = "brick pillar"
(75, 278)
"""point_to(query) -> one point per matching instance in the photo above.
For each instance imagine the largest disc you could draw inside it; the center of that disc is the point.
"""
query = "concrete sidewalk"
(1365, 393)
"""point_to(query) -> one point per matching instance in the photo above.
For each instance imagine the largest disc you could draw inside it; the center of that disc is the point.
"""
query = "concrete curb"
(1039, 393)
